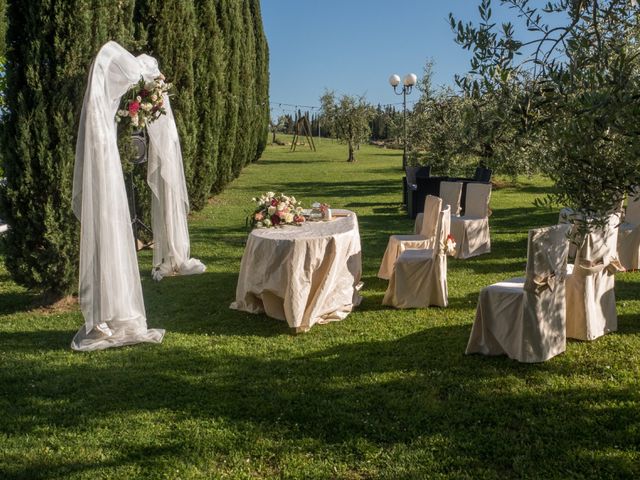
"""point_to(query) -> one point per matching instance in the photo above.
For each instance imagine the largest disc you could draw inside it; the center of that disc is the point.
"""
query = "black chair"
(482, 175)
(409, 181)
(424, 187)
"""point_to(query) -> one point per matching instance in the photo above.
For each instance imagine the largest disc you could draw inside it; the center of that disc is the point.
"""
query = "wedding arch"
(110, 291)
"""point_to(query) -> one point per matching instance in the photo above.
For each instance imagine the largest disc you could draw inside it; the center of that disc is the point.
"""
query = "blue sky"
(353, 46)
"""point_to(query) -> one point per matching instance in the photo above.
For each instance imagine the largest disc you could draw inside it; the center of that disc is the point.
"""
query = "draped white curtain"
(109, 281)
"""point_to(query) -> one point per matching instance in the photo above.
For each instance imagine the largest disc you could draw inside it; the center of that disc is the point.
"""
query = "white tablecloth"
(304, 274)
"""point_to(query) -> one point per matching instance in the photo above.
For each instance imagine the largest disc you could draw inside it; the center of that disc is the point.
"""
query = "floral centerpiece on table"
(450, 246)
(275, 209)
(143, 103)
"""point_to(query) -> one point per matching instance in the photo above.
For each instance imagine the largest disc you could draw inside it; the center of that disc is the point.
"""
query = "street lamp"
(409, 82)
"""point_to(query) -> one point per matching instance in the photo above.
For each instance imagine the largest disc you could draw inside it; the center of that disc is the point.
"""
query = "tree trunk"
(352, 157)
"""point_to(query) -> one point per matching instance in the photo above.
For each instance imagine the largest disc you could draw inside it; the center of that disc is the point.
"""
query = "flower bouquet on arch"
(275, 209)
(143, 103)
(450, 246)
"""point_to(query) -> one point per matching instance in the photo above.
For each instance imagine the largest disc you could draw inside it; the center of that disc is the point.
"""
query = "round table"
(303, 274)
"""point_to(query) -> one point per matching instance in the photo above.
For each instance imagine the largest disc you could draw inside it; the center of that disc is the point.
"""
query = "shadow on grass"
(14, 302)
(386, 394)
(171, 305)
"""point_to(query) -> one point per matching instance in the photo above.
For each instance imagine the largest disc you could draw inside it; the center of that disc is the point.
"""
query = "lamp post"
(409, 82)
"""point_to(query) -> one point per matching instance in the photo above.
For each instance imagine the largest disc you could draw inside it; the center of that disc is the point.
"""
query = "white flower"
(288, 217)
(281, 206)
(260, 224)
(293, 200)
(154, 97)
(267, 222)
(138, 98)
(270, 194)
(146, 106)
(272, 210)
(134, 120)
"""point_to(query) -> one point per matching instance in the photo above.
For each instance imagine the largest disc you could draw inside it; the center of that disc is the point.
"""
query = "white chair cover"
(425, 239)
(109, 280)
(564, 217)
(419, 278)
(471, 231)
(591, 300)
(450, 193)
(629, 235)
(524, 318)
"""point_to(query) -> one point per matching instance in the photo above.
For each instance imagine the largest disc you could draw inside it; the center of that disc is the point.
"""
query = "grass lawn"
(382, 394)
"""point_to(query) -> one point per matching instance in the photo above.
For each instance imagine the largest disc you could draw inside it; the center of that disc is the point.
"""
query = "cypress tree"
(246, 136)
(50, 46)
(171, 29)
(230, 15)
(3, 83)
(263, 112)
(211, 83)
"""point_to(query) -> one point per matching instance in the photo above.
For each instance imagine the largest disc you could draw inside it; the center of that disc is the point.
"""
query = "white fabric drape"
(525, 318)
(169, 203)
(110, 292)
(425, 239)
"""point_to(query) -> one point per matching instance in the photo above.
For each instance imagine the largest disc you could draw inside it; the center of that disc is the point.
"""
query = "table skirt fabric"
(302, 274)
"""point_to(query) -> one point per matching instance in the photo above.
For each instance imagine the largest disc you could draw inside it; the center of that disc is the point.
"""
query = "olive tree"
(348, 118)
(573, 83)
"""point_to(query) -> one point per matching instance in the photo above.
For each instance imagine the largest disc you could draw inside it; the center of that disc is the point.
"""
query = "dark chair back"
(423, 172)
(482, 175)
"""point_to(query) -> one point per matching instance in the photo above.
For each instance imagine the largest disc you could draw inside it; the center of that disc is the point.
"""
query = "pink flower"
(282, 213)
(298, 219)
(274, 203)
(275, 219)
(259, 216)
(133, 108)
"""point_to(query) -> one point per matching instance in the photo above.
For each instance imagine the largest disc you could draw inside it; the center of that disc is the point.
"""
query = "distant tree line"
(385, 123)
(214, 51)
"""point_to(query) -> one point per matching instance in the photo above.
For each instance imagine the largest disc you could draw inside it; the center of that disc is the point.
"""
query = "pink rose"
(274, 203)
(259, 216)
(133, 108)
(298, 219)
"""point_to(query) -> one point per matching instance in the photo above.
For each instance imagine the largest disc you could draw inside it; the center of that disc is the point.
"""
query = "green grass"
(382, 394)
